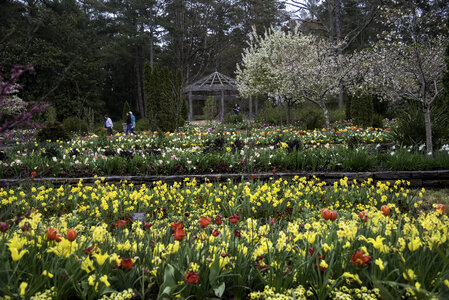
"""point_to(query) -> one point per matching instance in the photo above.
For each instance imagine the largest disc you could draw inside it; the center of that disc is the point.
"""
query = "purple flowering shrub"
(14, 112)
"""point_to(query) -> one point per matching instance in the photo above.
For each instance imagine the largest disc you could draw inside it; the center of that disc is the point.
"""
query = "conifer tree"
(126, 109)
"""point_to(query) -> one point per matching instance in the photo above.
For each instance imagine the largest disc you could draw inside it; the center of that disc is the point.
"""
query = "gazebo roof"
(213, 82)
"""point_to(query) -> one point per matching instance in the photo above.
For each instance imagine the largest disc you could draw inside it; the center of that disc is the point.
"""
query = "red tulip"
(51, 234)
(385, 210)
(3, 226)
(358, 258)
(127, 263)
(25, 227)
(333, 215)
(253, 176)
(179, 234)
(177, 225)
(192, 277)
(215, 232)
(326, 214)
(440, 208)
(71, 234)
(363, 215)
(147, 225)
(274, 171)
(204, 221)
(218, 220)
(58, 237)
(90, 250)
(234, 218)
(238, 233)
(120, 223)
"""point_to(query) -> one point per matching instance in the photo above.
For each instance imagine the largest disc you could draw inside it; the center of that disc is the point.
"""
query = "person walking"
(133, 122)
(128, 123)
(109, 125)
(237, 109)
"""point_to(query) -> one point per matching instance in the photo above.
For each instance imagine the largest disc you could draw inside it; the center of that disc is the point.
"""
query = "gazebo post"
(190, 107)
(222, 112)
(257, 103)
(250, 107)
(214, 83)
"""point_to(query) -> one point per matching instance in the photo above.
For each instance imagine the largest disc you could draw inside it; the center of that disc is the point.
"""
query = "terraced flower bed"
(200, 150)
(296, 239)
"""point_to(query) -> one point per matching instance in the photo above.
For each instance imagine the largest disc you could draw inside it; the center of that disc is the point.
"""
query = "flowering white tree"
(293, 66)
(408, 62)
(264, 64)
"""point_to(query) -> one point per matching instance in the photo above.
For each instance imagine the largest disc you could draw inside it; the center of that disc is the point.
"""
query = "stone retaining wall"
(437, 179)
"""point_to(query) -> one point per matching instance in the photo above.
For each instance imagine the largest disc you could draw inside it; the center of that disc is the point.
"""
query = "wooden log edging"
(437, 179)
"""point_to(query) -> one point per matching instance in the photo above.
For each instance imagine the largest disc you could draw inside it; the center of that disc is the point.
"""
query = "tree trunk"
(330, 8)
(341, 95)
(190, 107)
(139, 84)
(180, 26)
(326, 115)
(151, 37)
(428, 122)
(288, 111)
(337, 9)
(256, 108)
(250, 108)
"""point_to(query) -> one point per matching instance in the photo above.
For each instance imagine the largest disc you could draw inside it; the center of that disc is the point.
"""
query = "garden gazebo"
(214, 83)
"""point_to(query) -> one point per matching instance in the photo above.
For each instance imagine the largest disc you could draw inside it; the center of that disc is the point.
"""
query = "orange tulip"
(204, 221)
(71, 234)
(179, 234)
(385, 210)
(51, 234)
(326, 214)
(363, 215)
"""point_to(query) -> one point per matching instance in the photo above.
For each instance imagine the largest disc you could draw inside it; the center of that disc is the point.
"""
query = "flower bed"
(202, 151)
(295, 238)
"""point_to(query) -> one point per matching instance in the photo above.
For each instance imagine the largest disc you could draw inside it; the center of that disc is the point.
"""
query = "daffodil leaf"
(220, 290)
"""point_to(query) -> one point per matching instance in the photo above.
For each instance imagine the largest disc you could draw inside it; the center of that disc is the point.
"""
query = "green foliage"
(142, 125)
(126, 109)
(358, 160)
(232, 118)
(180, 109)
(166, 106)
(51, 115)
(99, 130)
(347, 106)
(410, 128)
(377, 121)
(166, 120)
(337, 115)
(53, 132)
(307, 116)
(210, 109)
(270, 114)
(76, 125)
(362, 109)
(311, 118)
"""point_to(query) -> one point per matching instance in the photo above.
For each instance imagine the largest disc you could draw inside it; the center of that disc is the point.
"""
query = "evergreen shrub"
(142, 125)
(53, 131)
(233, 118)
(362, 109)
(75, 125)
(410, 129)
(210, 109)
(311, 118)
